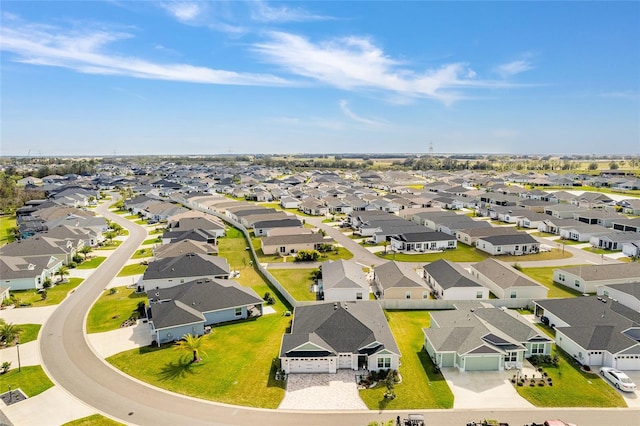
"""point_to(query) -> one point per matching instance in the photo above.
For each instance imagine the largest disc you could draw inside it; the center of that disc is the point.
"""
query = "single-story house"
(614, 240)
(506, 282)
(184, 246)
(326, 337)
(422, 241)
(19, 273)
(582, 233)
(172, 271)
(343, 280)
(451, 281)
(587, 278)
(595, 331)
(190, 307)
(393, 282)
(628, 294)
(483, 339)
(512, 244)
(263, 227)
(288, 244)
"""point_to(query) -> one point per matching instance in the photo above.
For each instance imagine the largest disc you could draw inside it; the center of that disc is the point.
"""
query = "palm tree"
(192, 344)
(9, 332)
(85, 250)
(64, 270)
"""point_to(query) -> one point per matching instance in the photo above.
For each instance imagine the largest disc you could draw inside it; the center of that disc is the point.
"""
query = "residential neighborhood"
(284, 275)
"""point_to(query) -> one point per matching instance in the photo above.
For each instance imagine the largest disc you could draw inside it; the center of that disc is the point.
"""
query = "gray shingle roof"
(503, 275)
(343, 274)
(346, 327)
(594, 324)
(516, 238)
(448, 275)
(389, 275)
(603, 272)
(187, 265)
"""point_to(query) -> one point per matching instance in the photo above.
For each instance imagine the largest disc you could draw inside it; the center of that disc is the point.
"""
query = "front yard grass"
(553, 254)
(7, 223)
(238, 367)
(150, 241)
(91, 263)
(94, 420)
(421, 387)
(600, 250)
(296, 281)
(110, 245)
(572, 387)
(463, 253)
(55, 294)
(110, 310)
(544, 275)
(142, 253)
(29, 332)
(135, 269)
(31, 380)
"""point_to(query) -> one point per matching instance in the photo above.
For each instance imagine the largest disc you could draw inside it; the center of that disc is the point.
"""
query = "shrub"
(112, 290)
(307, 256)
(541, 383)
(6, 366)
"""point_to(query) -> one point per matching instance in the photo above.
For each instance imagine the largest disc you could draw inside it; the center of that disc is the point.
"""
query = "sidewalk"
(52, 407)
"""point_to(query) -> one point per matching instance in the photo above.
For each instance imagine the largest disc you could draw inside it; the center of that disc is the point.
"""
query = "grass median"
(30, 379)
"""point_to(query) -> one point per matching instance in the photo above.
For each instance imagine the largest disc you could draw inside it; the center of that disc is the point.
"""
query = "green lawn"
(110, 310)
(142, 253)
(6, 234)
(94, 420)
(31, 380)
(553, 254)
(421, 387)
(135, 269)
(296, 281)
(572, 387)
(463, 253)
(599, 250)
(544, 275)
(132, 217)
(109, 245)
(141, 221)
(150, 241)
(55, 294)
(29, 332)
(237, 365)
(91, 263)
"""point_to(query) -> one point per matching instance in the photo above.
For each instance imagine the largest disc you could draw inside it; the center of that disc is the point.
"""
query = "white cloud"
(183, 11)
(514, 67)
(83, 51)
(262, 12)
(344, 106)
(356, 63)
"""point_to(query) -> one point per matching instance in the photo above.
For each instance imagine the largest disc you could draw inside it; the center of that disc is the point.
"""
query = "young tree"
(9, 332)
(191, 344)
(85, 250)
(62, 272)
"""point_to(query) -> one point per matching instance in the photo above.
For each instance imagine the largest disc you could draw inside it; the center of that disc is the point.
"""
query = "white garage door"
(482, 363)
(309, 365)
(628, 362)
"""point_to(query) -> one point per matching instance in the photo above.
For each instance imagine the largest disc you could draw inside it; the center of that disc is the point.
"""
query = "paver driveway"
(322, 392)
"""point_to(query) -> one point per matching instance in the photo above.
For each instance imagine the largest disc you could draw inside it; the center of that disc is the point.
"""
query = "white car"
(618, 378)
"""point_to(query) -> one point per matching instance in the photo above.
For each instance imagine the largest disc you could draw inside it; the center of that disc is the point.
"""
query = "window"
(479, 295)
(238, 312)
(513, 294)
(451, 243)
(577, 283)
(425, 294)
(517, 248)
(537, 348)
(511, 357)
(407, 295)
(606, 293)
(498, 249)
(561, 277)
(359, 296)
(384, 362)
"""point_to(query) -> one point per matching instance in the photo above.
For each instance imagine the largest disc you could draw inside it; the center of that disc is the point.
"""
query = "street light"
(18, 349)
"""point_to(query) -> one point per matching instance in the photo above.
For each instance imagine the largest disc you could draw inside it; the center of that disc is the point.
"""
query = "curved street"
(74, 366)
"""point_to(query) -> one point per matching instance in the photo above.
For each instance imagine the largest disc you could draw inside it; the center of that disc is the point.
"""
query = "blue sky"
(195, 77)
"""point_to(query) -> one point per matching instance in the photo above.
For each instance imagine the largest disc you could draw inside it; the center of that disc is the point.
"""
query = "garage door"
(482, 363)
(628, 362)
(304, 365)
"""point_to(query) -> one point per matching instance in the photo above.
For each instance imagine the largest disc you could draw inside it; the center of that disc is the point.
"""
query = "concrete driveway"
(482, 389)
(322, 392)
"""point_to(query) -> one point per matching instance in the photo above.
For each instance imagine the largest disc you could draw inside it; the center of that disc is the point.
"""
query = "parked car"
(618, 378)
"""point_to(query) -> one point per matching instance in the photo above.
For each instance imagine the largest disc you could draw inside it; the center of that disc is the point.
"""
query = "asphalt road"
(70, 362)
